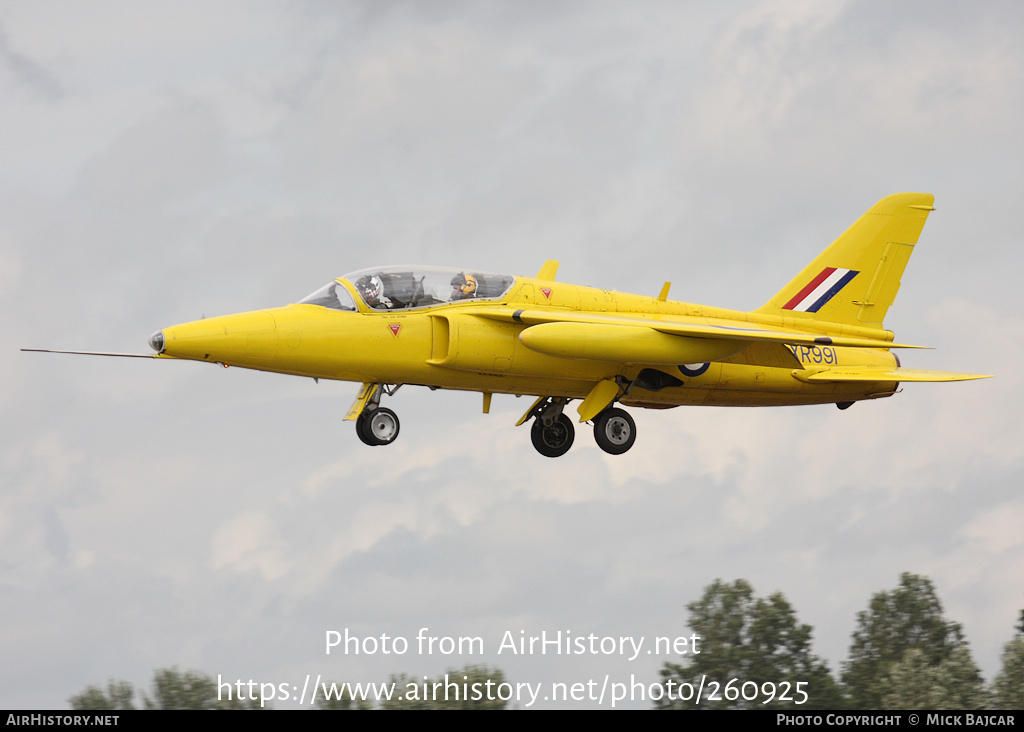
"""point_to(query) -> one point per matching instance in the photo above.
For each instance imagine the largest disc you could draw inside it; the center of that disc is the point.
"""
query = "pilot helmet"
(464, 284)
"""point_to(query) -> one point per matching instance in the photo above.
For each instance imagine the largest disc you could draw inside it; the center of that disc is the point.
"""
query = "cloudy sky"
(159, 163)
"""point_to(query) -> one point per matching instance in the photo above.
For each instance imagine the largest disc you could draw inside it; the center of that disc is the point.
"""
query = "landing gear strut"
(377, 425)
(552, 431)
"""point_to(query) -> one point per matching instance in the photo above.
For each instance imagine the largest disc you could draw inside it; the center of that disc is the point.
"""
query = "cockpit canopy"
(406, 287)
(332, 295)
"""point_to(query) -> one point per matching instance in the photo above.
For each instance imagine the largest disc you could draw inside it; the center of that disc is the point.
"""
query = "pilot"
(372, 290)
(463, 286)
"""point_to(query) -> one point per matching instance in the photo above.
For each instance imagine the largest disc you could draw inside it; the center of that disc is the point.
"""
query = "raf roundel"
(694, 369)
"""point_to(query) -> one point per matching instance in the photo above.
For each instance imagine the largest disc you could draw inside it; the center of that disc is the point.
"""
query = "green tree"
(467, 688)
(953, 683)
(1008, 687)
(172, 689)
(748, 638)
(118, 696)
(907, 618)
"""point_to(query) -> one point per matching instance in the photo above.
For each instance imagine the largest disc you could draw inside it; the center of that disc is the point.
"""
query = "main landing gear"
(614, 431)
(377, 425)
(553, 432)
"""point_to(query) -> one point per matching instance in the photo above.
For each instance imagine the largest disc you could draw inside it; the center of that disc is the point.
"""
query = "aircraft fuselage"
(452, 346)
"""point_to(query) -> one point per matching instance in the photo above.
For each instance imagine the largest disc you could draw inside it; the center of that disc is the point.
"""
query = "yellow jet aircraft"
(819, 340)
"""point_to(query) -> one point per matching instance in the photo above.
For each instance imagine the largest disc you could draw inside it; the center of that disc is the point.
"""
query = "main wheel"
(555, 439)
(379, 427)
(614, 431)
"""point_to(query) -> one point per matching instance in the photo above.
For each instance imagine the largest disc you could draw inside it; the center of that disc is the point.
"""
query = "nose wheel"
(375, 425)
(378, 427)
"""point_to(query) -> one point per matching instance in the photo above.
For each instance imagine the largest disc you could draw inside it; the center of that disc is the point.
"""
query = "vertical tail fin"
(856, 279)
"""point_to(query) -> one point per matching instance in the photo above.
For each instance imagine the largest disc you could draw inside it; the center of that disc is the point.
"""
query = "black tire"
(378, 427)
(614, 431)
(365, 438)
(554, 440)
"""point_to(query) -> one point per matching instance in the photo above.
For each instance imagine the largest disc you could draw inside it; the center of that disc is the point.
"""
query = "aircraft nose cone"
(156, 341)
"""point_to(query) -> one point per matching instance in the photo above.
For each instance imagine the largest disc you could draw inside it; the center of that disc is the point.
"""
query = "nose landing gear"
(375, 425)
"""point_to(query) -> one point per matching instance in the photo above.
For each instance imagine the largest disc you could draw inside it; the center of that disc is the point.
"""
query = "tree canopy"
(906, 619)
(172, 689)
(472, 687)
(1008, 687)
(750, 639)
(117, 697)
(953, 683)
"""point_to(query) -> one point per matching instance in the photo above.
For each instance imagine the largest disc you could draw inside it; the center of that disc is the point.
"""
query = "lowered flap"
(867, 374)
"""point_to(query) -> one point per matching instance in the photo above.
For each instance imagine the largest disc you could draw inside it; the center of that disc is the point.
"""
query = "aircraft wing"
(679, 339)
(868, 374)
